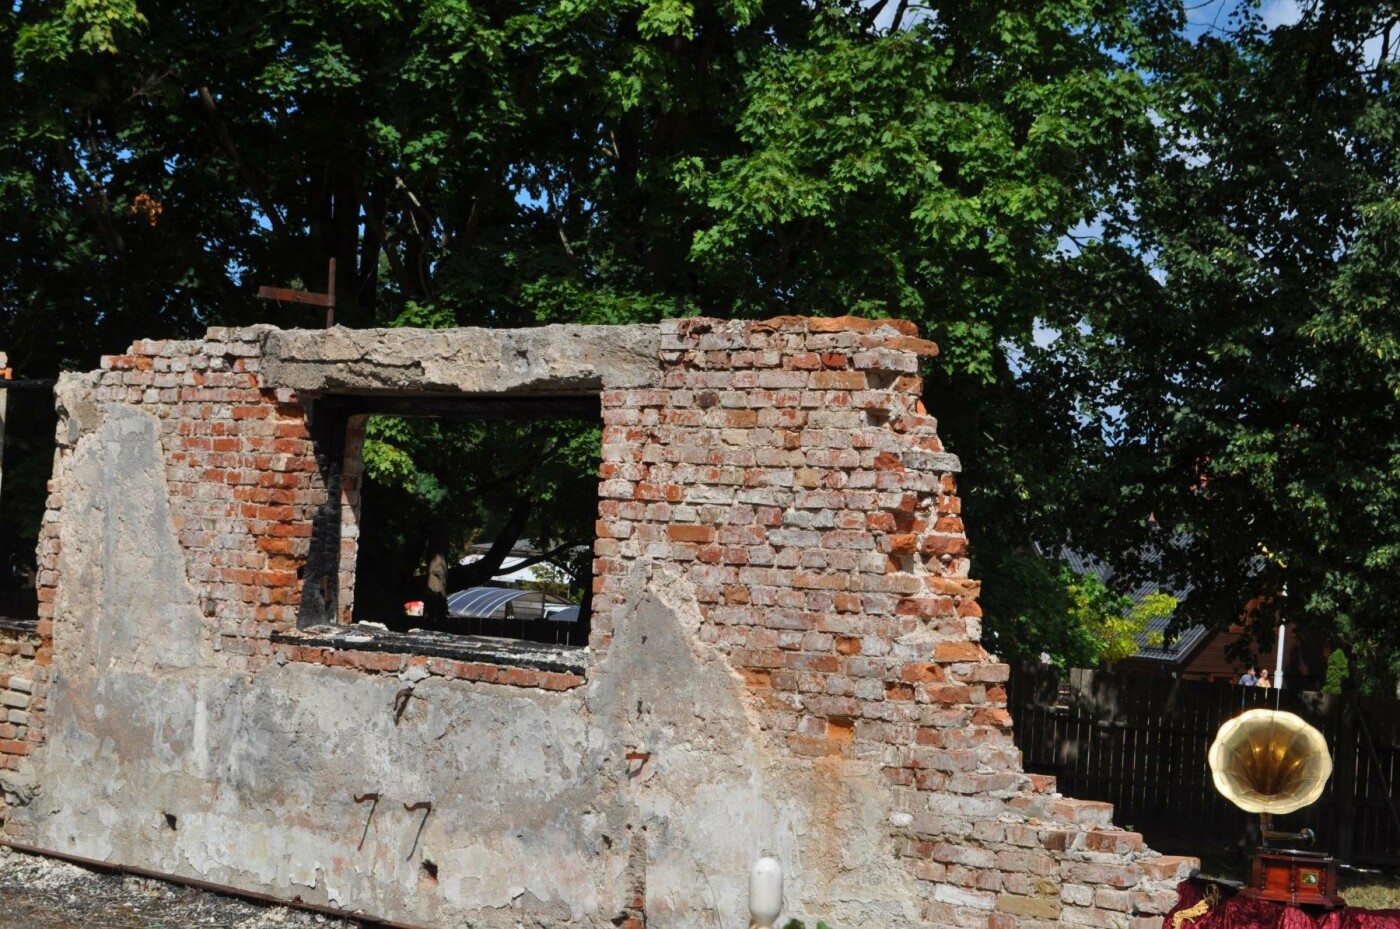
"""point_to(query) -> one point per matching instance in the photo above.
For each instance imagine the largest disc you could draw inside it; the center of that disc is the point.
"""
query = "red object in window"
(413, 608)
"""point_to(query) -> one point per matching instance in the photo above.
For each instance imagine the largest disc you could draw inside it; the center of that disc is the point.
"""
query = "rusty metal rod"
(361, 918)
(374, 796)
(427, 807)
(287, 295)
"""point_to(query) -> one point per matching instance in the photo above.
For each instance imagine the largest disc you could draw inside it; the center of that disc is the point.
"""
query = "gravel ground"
(46, 893)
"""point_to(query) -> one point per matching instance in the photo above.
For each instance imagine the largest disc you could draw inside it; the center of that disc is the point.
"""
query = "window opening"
(27, 421)
(468, 517)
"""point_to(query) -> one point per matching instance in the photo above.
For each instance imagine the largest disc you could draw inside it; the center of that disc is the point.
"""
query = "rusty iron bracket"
(636, 763)
(401, 703)
(427, 806)
(287, 295)
(372, 796)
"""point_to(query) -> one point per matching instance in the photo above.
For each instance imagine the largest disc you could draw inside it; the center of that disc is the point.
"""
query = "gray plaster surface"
(483, 361)
(123, 555)
(548, 809)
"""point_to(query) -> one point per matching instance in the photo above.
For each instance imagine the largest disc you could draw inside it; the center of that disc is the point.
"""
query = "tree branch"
(873, 13)
(95, 199)
(376, 225)
(226, 139)
(899, 16)
(478, 572)
(550, 555)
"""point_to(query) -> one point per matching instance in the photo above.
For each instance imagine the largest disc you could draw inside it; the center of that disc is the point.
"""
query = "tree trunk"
(480, 572)
(435, 603)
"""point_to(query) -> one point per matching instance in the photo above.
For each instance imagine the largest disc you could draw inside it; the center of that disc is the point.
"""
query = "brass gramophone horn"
(1268, 761)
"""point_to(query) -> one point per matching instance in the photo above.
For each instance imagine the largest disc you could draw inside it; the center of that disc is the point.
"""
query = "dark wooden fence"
(1139, 741)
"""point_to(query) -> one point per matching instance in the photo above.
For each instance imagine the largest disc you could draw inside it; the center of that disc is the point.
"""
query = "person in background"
(1248, 679)
(1263, 680)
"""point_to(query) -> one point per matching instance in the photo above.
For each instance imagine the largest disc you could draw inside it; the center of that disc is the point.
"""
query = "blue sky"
(1205, 15)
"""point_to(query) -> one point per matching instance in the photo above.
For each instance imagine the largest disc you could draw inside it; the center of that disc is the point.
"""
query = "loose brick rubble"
(789, 468)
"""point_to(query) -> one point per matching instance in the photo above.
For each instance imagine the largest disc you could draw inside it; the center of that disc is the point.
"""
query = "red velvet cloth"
(1238, 912)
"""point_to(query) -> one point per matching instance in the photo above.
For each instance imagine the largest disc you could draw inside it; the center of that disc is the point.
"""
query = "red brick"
(1168, 867)
(757, 679)
(898, 691)
(813, 747)
(840, 728)
(377, 661)
(679, 532)
(944, 545)
(948, 693)
(921, 673)
(824, 664)
(997, 717)
(888, 461)
(837, 380)
(921, 347)
(1113, 841)
(859, 324)
(518, 677)
(904, 544)
(958, 651)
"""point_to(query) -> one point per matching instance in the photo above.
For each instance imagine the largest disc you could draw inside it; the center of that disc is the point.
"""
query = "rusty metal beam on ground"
(365, 920)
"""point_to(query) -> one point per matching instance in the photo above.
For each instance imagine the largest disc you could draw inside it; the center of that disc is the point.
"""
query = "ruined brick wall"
(241, 474)
(243, 523)
(244, 482)
(792, 467)
(786, 472)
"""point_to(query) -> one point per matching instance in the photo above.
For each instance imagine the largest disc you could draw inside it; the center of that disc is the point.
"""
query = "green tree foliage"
(1224, 330)
(1338, 670)
(1042, 605)
(599, 161)
(1239, 344)
(440, 486)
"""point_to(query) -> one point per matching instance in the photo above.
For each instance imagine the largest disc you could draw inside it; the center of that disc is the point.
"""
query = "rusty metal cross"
(287, 295)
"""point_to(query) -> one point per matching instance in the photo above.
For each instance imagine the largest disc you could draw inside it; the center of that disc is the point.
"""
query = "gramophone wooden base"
(1293, 877)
